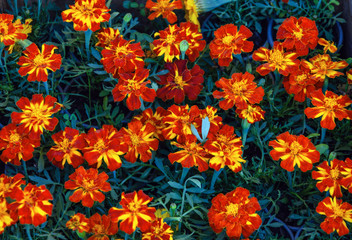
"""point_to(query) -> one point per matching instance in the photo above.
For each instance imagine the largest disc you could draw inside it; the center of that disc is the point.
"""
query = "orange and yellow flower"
(36, 63)
(21, 29)
(276, 59)
(180, 82)
(159, 230)
(349, 76)
(164, 8)
(235, 212)
(102, 227)
(168, 43)
(346, 172)
(134, 213)
(328, 107)
(299, 35)
(6, 219)
(86, 14)
(252, 113)
(229, 40)
(32, 204)
(104, 145)
(328, 45)
(66, 149)
(88, 186)
(78, 222)
(36, 114)
(134, 86)
(106, 36)
(239, 90)
(189, 32)
(336, 212)
(10, 186)
(294, 150)
(9, 30)
(191, 11)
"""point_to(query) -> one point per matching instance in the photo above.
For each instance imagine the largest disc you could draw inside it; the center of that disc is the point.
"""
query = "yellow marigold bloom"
(191, 10)
(86, 14)
(26, 29)
(168, 43)
(5, 218)
(328, 45)
(78, 222)
(349, 76)
(9, 31)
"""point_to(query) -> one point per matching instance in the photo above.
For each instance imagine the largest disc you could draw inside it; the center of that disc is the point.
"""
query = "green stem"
(245, 127)
(88, 35)
(46, 88)
(28, 232)
(323, 132)
(39, 5)
(25, 170)
(326, 83)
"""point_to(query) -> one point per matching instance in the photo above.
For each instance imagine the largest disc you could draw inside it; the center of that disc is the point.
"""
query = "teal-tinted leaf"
(175, 185)
(205, 127)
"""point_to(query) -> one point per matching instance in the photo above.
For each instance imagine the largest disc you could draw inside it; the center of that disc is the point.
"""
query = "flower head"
(168, 43)
(106, 36)
(252, 113)
(11, 186)
(191, 11)
(164, 8)
(328, 45)
(78, 222)
(102, 227)
(349, 76)
(189, 32)
(10, 31)
(36, 63)
(159, 230)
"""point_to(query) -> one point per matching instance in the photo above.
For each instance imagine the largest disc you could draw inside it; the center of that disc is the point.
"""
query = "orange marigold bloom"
(180, 82)
(32, 204)
(328, 45)
(88, 186)
(168, 43)
(252, 113)
(104, 145)
(189, 32)
(78, 222)
(106, 36)
(25, 28)
(134, 213)
(277, 59)
(6, 219)
(16, 144)
(10, 32)
(349, 76)
(140, 140)
(102, 227)
(214, 119)
(321, 67)
(9, 186)
(36, 114)
(192, 154)
(294, 150)
(67, 144)
(86, 14)
(164, 8)
(239, 90)
(336, 212)
(36, 63)
(134, 85)
(229, 40)
(159, 230)
(346, 172)
(328, 107)
(299, 34)
(122, 55)
(235, 212)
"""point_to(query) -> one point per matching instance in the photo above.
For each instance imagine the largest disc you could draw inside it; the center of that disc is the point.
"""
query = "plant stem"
(245, 127)
(88, 35)
(323, 132)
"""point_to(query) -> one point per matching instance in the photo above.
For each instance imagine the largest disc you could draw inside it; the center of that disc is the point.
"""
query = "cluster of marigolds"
(235, 211)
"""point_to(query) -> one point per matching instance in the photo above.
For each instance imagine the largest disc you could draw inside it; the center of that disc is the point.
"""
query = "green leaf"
(175, 185)
(322, 148)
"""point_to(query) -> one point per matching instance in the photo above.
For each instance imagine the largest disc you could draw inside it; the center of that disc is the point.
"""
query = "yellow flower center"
(330, 103)
(100, 145)
(298, 34)
(88, 184)
(4, 29)
(295, 148)
(335, 174)
(15, 138)
(170, 39)
(85, 10)
(228, 39)
(39, 61)
(232, 209)
(134, 207)
(276, 57)
(28, 198)
(238, 88)
(65, 144)
(121, 50)
(135, 139)
(301, 79)
(133, 85)
(179, 81)
(338, 212)
(98, 229)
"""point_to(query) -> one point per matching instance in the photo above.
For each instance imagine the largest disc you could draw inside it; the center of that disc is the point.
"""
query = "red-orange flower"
(252, 113)
(294, 150)
(328, 45)
(349, 76)
(10, 186)
(235, 212)
(140, 140)
(239, 90)
(16, 144)
(134, 85)
(122, 55)
(229, 40)
(88, 186)
(328, 107)
(6, 219)
(159, 230)
(86, 14)
(78, 222)
(10, 32)
(180, 82)
(134, 213)
(189, 32)
(336, 212)
(104, 145)
(36, 114)
(106, 36)
(36, 63)
(66, 149)
(164, 8)
(102, 227)
(32, 204)
(168, 43)
(276, 59)
(299, 34)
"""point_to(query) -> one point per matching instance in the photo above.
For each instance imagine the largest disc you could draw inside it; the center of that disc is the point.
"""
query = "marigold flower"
(168, 43)
(321, 67)
(134, 85)
(329, 177)
(25, 28)
(235, 212)
(211, 113)
(346, 172)
(180, 82)
(78, 222)
(336, 212)
(299, 34)
(252, 113)
(106, 36)
(349, 76)
(32, 204)
(159, 230)
(189, 32)
(9, 186)
(88, 186)
(229, 40)
(86, 14)
(16, 144)
(102, 227)
(134, 213)
(328, 45)
(140, 140)
(104, 145)
(328, 107)
(36, 114)
(36, 63)
(164, 8)
(122, 55)
(191, 11)
(66, 149)
(10, 32)
(277, 59)
(294, 150)
(239, 90)
(5, 217)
